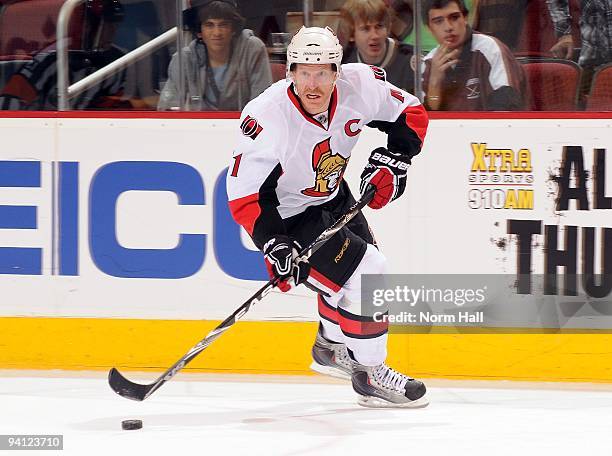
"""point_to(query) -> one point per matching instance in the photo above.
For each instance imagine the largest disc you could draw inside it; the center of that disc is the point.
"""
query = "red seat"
(600, 96)
(28, 26)
(553, 84)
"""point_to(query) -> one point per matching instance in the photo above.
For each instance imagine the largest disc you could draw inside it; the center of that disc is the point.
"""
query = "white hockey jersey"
(286, 161)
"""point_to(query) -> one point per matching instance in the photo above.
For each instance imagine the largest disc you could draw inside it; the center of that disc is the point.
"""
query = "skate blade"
(328, 370)
(375, 402)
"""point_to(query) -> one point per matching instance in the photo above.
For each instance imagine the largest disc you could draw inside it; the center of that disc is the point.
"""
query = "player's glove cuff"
(280, 253)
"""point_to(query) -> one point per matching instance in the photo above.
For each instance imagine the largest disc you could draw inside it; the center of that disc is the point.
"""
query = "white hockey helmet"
(314, 45)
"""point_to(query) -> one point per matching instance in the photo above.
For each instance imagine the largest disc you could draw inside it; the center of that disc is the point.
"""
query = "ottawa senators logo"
(250, 127)
(329, 168)
(379, 73)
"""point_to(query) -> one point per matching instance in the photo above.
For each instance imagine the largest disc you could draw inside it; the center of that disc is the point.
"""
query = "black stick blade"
(126, 388)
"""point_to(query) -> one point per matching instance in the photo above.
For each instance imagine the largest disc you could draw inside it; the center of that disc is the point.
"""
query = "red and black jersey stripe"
(379, 73)
(326, 311)
(359, 326)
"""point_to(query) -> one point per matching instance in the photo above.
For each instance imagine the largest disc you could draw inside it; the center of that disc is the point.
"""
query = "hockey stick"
(139, 392)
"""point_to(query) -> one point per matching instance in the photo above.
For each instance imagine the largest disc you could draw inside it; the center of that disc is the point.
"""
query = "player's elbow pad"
(401, 139)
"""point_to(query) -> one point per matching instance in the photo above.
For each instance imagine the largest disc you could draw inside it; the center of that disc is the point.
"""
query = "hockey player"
(285, 186)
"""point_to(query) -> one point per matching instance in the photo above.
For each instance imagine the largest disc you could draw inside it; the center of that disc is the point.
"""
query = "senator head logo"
(328, 168)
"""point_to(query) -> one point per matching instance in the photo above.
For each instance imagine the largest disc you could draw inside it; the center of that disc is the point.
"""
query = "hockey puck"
(129, 425)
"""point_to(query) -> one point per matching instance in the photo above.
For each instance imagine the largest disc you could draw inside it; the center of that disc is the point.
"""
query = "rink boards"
(117, 248)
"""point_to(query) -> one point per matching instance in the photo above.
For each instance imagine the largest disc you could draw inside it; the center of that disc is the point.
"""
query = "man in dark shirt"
(468, 71)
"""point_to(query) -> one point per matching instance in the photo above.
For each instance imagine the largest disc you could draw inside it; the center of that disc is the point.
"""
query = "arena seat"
(553, 84)
(600, 95)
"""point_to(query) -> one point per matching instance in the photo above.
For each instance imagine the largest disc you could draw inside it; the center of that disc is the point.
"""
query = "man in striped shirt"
(595, 31)
(468, 71)
(595, 35)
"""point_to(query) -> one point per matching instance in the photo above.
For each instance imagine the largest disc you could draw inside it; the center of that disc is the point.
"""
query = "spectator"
(224, 67)
(523, 25)
(595, 31)
(403, 25)
(34, 85)
(595, 35)
(468, 71)
(366, 24)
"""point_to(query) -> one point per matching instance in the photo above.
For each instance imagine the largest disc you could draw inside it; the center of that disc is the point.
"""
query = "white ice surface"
(259, 415)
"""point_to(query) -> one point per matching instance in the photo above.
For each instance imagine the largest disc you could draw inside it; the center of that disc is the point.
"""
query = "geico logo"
(87, 214)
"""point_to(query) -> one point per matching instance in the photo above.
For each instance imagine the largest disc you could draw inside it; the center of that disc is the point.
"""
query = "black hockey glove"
(280, 254)
(387, 172)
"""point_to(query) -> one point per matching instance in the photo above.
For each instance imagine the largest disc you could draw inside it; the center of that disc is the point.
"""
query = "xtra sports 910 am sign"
(521, 207)
(555, 206)
(527, 200)
(128, 217)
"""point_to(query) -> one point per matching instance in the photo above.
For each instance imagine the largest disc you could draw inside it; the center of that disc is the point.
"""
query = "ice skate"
(382, 387)
(331, 358)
